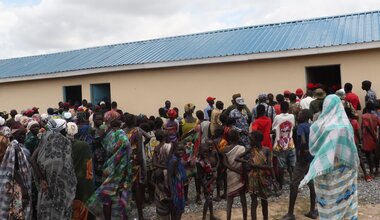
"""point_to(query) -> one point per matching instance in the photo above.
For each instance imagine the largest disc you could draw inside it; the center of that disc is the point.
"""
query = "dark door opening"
(328, 76)
(72, 94)
(100, 92)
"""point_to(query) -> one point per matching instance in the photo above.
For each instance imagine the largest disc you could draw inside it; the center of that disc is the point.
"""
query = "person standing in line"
(53, 165)
(260, 162)
(177, 179)
(16, 178)
(370, 123)
(215, 117)
(370, 94)
(283, 146)
(241, 118)
(302, 167)
(335, 163)
(352, 97)
(235, 179)
(305, 102)
(207, 111)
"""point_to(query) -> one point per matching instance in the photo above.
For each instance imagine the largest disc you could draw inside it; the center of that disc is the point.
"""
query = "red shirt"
(356, 127)
(277, 109)
(263, 124)
(353, 99)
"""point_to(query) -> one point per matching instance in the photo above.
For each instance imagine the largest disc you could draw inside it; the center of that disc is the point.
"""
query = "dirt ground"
(279, 208)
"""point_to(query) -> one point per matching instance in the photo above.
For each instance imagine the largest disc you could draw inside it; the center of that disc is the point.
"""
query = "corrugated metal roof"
(302, 34)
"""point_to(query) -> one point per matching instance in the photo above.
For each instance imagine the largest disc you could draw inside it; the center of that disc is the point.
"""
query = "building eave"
(202, 61)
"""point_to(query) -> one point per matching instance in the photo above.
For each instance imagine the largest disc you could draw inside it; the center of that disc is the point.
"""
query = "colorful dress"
(172, 127)
(178, 180)
(241, 124)
(116, 188)
(335, 163)
(13, 204)
(137, 171)
(258, 179)
(208, 172)
(99, 157)
(55, 162)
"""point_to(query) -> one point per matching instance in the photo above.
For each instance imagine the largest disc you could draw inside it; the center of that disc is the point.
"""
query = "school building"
(141, 75)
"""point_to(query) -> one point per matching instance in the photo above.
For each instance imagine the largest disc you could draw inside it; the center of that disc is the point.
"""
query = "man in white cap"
(241, 121)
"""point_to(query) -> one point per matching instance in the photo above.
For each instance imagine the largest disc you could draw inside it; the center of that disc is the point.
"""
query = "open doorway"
(72, 94)
(100, 92)
(329, 76)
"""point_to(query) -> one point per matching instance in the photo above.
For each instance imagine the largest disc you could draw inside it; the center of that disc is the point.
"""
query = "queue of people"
(89, 162)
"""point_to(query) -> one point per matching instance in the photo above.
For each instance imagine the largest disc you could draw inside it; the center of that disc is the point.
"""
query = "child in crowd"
(219, 142)
(207, 166)
(177, 179)
(260, 164)
(161, 195)
(235, 180)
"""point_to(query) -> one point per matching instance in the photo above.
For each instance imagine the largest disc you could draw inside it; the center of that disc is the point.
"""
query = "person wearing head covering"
(53, 165)
(172, 126)
(346, 104)
(112, 199)
(210, 106)
(81, 154)
(31, 140)
(319, 95)
(334, 167)
(241, 121)
(233, 106)
(15, 180)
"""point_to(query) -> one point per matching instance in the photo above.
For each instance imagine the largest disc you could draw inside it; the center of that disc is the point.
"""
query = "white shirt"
(305, 102)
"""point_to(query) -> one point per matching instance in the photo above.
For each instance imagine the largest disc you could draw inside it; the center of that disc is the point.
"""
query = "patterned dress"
(56, 164)
(116, 188)
(178, 180)
(14, 204)
(241, 124)
(258, 178)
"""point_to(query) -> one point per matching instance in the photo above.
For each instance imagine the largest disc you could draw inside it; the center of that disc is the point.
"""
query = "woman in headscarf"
(31, 140)
(53, 165)
(112, 198)
(334, 168)
(15, 179)
(81, 157)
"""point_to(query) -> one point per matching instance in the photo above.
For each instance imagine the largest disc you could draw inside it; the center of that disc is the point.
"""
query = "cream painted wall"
(146, 90)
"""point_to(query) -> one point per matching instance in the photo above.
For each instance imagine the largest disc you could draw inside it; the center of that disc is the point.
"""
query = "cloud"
(59, 25)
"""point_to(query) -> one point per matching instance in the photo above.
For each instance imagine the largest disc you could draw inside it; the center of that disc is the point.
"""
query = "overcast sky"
(29, 27)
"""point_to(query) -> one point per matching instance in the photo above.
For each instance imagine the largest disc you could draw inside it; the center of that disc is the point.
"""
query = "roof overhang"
(202, 61)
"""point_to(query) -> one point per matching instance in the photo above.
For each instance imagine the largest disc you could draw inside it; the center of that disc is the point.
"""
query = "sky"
(31, 27)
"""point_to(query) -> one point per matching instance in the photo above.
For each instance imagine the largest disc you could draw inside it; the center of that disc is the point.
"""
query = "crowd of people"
(95, 161)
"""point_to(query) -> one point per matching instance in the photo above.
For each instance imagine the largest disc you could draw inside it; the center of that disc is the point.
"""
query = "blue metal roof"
(302, 34)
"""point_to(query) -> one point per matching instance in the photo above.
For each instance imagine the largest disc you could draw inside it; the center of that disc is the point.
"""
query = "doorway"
(72, 94)
(329, 76)
(100, 92)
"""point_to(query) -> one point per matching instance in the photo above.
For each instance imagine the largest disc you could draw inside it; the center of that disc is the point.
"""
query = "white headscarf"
(56, 125)
(72, 129)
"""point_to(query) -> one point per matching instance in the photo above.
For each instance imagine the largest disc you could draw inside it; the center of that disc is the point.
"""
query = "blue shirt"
(303, 129)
